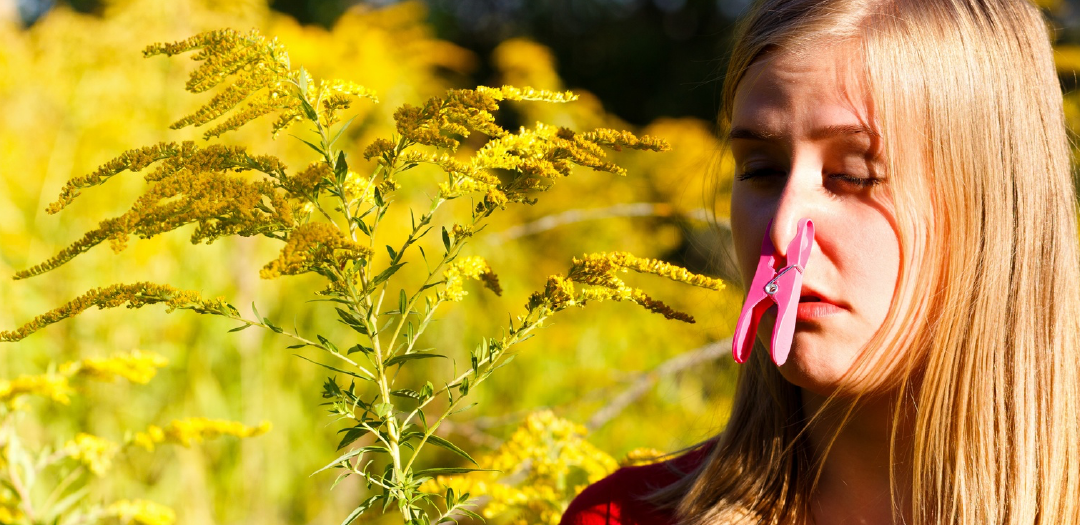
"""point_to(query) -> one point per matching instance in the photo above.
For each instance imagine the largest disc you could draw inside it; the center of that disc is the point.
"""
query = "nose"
(796, 201)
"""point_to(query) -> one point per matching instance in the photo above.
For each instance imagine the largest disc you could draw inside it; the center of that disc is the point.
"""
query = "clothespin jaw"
(782, 287)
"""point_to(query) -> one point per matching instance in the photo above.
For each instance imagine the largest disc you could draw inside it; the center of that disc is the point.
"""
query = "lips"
(814, 306)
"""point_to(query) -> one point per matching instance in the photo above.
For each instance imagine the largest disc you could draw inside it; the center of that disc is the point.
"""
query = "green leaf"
(255, 310)
(351, 454)
(471, 514)
(351, 435)
(406, 393)
(336, 369)
(403, 300)
(436, 440)
(379, 279)
(361, 509)
(393, 254)
(359, 348)
(377, 195)
(383, 409)
(293, 347)
(310, 145)
(342, 130)
(241, 327)
(446, 239)
(427, 391)
(341, 168)
(363, 226)
(325, 342)
(351, 320)
(309, 111)
(397, 360)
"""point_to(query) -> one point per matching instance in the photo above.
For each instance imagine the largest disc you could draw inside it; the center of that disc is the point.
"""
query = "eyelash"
(862, 182)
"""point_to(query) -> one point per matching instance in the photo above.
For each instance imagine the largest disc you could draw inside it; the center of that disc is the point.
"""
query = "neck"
(854, 487)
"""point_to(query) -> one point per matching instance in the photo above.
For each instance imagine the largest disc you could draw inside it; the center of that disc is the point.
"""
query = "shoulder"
(619, 499)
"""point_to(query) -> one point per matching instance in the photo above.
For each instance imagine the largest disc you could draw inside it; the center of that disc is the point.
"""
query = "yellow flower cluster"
(134, 295)
(191, 187)
(642, 456)
(135, 366)
(544, 464)
(472, 267)
(94, 452)
(177, 157)
(539, 156)
(255, 62)
(599, 271)
(194, 430)
(140, 512)
(52, 386)
(263, 78)
(315, 246)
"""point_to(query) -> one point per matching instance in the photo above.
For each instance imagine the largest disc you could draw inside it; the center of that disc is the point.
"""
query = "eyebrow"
(818, 134)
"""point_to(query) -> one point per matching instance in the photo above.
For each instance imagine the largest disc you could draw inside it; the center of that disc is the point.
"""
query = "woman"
(932, 376)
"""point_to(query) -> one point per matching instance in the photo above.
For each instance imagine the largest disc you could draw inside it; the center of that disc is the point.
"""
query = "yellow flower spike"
(133, 295)
(314, 246)
(194, 430)
(135, 366)
(149, 439)
(140, 512)
(472, 267)
(94, 452)
(51, 386)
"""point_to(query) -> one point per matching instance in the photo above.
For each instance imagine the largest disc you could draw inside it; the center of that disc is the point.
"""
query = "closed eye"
(860, 182)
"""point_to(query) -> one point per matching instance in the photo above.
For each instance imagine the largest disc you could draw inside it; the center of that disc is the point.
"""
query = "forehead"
(792, 93)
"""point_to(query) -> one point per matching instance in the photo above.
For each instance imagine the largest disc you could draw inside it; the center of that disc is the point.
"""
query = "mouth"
(813, 306)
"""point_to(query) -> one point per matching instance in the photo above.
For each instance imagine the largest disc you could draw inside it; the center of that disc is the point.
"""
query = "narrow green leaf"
(379, 279)
(406, 393)
(293, 347)
(363, 226)
(341, 168)
(396, 360)
(359, 348)
(471, 514)
(436, 440)
(309, 111)
(403, 300)
(378, 197)
(361, 509)
(342, 130)
(255, 310)
(336, 369)
(446, 239)
(241, 327)
(393, 254)
(325, 342)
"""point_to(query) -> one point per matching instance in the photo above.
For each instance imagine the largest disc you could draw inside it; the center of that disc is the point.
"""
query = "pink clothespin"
(783, 287)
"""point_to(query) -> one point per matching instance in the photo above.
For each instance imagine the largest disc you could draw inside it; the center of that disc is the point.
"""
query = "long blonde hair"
(965, 96)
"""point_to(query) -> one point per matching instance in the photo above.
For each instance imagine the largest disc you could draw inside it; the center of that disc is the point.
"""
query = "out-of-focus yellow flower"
(94, 452)
(471, 267)
(544, 464)
(52, 386)
(642, 456)
(194, 430)
(140, 512)
(135, 366)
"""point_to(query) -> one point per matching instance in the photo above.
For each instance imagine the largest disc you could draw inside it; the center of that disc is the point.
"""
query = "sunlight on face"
(804, 143)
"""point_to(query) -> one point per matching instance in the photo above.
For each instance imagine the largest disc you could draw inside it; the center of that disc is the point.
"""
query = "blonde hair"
(966, 99)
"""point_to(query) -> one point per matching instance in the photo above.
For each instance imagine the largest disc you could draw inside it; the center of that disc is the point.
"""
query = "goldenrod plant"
(339, 221)
(52, 484)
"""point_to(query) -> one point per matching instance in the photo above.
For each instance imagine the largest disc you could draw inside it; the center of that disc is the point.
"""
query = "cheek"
(870, 263)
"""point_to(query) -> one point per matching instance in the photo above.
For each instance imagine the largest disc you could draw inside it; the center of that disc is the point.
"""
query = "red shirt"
(617, 499)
